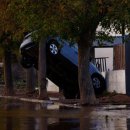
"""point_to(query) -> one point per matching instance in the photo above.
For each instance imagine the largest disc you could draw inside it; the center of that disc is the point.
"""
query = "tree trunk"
(30, 75)
(42, 70)
(87, 95)
(8, 89)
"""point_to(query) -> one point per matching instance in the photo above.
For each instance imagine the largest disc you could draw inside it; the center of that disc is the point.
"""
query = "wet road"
(19, 115)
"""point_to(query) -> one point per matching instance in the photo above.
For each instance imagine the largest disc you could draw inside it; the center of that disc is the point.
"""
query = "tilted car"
(62, 64)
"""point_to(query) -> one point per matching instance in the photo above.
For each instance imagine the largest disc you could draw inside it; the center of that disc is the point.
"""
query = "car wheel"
(25, 63)
(99, 83)
(53, 47)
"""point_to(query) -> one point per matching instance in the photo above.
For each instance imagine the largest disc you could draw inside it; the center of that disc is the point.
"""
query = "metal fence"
(100, 63)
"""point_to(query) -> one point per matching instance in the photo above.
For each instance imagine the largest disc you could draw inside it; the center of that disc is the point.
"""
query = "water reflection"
(16, 115)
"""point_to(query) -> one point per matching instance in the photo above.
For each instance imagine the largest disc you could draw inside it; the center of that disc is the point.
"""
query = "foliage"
(10, 29)
(67, 18)
(118, 17)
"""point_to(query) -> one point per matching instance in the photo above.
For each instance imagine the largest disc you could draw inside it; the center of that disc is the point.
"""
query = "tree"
(71, 19)
(7, 70)
(42, 70)
(97, 12)
(9, 32)
(4, 41)
(30, 80)
(118, 18)
(49, 21)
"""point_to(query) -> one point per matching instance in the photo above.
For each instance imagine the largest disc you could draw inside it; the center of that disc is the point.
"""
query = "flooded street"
(20, 115)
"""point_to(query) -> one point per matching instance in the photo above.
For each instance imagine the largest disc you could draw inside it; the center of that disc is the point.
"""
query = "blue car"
(62, 65)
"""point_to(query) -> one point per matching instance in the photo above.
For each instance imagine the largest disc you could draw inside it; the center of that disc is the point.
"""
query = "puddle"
(19, 115)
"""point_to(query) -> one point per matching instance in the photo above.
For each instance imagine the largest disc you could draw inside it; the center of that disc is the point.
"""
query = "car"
(62, 64)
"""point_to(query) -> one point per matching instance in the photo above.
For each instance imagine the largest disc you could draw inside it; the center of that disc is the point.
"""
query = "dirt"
(109, 98)
(120, 99)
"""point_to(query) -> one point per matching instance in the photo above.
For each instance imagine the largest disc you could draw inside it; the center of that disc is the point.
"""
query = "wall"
(116, 81)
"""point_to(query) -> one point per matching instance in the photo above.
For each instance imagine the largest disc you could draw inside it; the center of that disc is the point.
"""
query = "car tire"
(53, 48)
(24, 62)
(99, 83)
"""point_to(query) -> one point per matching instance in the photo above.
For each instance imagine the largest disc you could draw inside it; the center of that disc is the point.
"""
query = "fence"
(119, 57)
(100, 63)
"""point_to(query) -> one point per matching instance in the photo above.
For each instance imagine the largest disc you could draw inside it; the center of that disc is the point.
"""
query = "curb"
(47, 102)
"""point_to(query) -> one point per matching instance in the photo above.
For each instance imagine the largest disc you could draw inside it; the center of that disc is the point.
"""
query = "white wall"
(52, 87)
(105, 52)
(116, 81)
